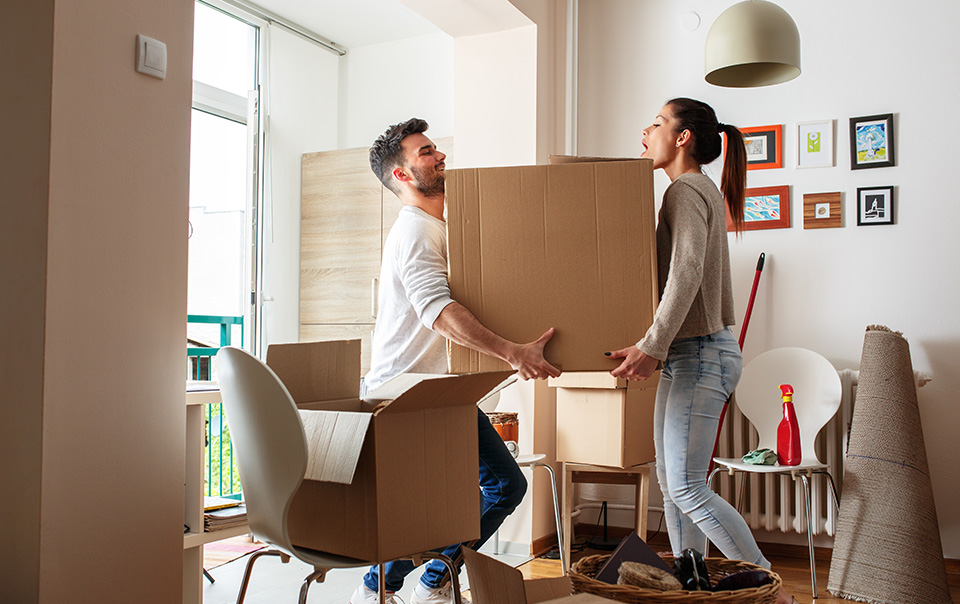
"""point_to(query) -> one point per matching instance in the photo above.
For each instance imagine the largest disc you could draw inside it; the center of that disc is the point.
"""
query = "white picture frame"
(815, 144)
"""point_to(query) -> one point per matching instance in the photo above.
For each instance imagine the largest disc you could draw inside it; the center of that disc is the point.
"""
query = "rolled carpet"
(887, 546)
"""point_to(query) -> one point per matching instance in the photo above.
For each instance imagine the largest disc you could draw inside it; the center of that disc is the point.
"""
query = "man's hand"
(528, 359)
(458, 324)
(636, 365)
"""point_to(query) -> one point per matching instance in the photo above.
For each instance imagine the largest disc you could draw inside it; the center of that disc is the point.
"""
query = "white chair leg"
(706, 540)
(382, 582)
(556, 513)
(317, 575)
(809, 506)
(249, 569)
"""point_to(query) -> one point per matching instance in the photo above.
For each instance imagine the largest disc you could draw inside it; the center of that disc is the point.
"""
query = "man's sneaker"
(367, 596)
(437, 595)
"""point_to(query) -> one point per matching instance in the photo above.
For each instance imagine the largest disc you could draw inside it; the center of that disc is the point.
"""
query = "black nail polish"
(606, 354)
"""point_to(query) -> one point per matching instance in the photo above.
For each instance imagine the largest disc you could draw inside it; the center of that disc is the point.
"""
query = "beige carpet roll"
(887, 546)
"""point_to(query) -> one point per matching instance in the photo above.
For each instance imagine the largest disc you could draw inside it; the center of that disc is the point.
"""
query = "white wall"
(820, 288)
(95, 174)
(496, 98)
(302, 106)
(385, 84)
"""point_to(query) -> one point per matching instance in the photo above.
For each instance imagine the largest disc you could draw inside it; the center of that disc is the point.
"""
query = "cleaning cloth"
(760, 457)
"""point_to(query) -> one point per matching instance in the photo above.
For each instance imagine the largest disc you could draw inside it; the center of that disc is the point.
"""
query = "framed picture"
(874, 205)
(765, 208)
(815, 144)
(763, 147)
(822, 211)
(871, 141)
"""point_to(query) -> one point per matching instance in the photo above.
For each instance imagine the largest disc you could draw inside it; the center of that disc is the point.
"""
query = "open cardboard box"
(386, 478)
(603, 420)
(493, 582)
(570, 246)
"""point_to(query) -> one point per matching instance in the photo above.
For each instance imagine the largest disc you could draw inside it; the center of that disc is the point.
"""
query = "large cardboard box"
(388, 477)
(570, 246)
(493, 582)
(603, 420)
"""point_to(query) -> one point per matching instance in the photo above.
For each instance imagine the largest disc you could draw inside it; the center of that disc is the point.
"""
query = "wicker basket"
(582, 573)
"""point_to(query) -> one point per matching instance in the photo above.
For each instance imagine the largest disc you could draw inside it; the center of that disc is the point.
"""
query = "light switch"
(151, 57)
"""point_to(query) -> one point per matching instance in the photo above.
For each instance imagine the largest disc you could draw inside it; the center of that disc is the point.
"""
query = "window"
(224, 184)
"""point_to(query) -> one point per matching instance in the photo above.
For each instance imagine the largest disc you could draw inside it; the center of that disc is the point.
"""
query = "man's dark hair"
(387, 153)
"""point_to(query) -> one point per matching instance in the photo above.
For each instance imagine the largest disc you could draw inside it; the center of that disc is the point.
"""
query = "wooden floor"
(790, 562)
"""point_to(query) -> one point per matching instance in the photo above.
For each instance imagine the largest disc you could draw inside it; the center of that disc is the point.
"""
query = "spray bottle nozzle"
(786, 392)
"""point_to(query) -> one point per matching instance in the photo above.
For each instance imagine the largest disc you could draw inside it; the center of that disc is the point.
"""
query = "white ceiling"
(353, 23)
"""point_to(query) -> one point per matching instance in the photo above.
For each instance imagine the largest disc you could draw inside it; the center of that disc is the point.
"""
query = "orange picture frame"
(765, 208)
(764, 146)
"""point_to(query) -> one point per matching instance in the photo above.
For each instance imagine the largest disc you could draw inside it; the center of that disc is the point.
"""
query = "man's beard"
(429, 185)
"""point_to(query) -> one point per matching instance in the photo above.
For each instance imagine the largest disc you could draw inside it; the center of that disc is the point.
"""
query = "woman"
(690, 334)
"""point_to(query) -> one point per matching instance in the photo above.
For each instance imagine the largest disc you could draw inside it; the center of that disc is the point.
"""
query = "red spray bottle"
(788, 433)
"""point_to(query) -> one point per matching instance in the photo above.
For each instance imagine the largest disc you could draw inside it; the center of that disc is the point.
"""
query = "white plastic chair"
(271, 449)
(816, 398)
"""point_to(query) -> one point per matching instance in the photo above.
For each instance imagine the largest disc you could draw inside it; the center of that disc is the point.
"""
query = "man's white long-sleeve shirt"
(413, 291)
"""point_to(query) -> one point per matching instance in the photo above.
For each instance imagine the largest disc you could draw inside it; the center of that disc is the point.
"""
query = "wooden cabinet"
(345, 215)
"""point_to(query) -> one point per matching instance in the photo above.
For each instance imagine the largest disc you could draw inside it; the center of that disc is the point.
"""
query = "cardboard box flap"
(316, 371)
(542, 590)
(586, 379)
(600, 380)
(488, 402)
(445, 391)
(575, 159)
(334, 440)
(492, 581)
(398, 384)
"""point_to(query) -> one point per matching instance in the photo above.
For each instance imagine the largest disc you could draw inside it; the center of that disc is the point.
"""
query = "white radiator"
(775, 503)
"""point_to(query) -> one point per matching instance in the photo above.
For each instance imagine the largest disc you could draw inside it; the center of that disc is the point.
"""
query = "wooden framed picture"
(822, 211)
(765, 208)
(763, 145)
(871, 142)
(815, 144)
(874, 205)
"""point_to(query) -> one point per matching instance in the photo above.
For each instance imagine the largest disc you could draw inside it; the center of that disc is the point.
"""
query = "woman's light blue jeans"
(698, 376)
(502, 487)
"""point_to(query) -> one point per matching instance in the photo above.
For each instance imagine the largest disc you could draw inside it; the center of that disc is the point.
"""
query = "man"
(416, 314)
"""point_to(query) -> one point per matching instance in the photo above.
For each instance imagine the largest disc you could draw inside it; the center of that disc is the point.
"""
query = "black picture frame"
(875, 205)
(872, 142)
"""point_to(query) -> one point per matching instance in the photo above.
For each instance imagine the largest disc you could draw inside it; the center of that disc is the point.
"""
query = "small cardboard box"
(386, 478)
(493, 582)
(603, 420)
(570, 246)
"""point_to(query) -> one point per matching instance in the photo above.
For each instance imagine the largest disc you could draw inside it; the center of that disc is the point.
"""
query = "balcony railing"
(221, 478)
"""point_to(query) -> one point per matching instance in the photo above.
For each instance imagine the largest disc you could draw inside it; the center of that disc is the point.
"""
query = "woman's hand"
(636, 365)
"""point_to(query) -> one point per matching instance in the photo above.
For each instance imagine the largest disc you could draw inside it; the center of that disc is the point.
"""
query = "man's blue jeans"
(502, 485)
(698, 376)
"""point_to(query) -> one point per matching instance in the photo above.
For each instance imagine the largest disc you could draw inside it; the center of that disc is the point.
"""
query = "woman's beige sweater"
(693, 263)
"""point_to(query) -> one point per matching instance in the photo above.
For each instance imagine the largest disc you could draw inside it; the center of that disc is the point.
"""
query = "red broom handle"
(743, 335)
(753, 296)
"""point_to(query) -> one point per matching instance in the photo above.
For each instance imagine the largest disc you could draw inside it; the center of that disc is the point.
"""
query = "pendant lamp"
(752, 43)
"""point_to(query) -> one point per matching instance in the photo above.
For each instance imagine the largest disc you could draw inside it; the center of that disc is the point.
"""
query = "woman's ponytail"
(733, 181)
